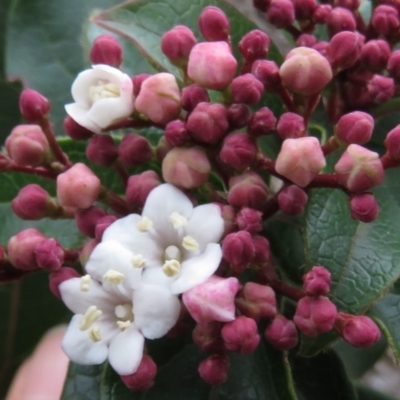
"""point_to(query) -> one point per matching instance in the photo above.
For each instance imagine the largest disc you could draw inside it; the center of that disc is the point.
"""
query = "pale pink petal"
(79, 115)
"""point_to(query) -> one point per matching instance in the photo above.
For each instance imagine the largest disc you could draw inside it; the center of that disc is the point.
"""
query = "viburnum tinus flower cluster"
(169, 254)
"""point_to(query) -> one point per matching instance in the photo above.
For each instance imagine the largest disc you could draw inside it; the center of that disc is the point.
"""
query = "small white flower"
(112, 319)
(103, 96)
(172, 243)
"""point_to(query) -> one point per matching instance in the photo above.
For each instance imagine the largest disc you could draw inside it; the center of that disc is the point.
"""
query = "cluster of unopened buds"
(157, 263)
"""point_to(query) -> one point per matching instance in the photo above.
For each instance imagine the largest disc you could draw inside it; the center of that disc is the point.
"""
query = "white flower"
(103, 96)
(112, 319)
(172, 243)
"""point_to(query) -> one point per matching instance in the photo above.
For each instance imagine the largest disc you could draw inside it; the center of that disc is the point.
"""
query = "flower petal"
(126, 351)
(198, 269)
(79, 114)
(156, 310)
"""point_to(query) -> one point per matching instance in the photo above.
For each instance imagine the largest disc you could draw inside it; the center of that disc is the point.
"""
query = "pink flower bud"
(241, 335)
(300, 160)
(355, 127)
(359, 169)
(143, 377)
(139, 186)
(317, 281)
(267, 72)
(306, 40)
(214, 369)
(102, 224)
(291, 126)
(358, 330)
(76, 131)
(193, 95)
(281, 13)
(177, 43)
(282, 333)
(304, 9)
(363, 207)
(56, 278)
(186, 167)
(214, 24)
(238, 115)
(261, 123)
(340, 19)
(102, 150)
(213, 300)
(385, 20)
(78, 187)
(321, 13)
(27, 145)
(49, 255)
(137, 81)
(249, 220)
(238, 250)
(375, 55)
(176, 133)
(381, 89)
(315, 315)
(86, 219)
(257, 301)
(21, 249)
(247, 89)
(238, 150)
(106, 50)
(321, 47)
(208, 336)
(228, 214)
(247, 190)
(208, 122)
(344, 49)
(349, 4)
(394, 65)
(392, 143)
(262, 250)
(33, 203)
(33, 105)
(212, 65)
(254, 45)
(305, 71)
(292, 200)
(134, 150)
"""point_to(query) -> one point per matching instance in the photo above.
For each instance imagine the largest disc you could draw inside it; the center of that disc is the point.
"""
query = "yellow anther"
(171, 267)
(122, 325)
(178, 220)
(144, 225)
(103, 90)
(91, 316)
(138, 261)
(113, 277)
(94, 334)
(190, 244)
(85, 283)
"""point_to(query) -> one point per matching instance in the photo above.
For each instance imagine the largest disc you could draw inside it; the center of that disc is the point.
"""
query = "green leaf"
(365, 393)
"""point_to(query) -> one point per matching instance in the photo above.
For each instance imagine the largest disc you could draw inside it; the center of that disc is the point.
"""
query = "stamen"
(144, 225)
(171, 267)
(124, 312)
(94, 334)
(85, 283)
(138, 261)
(178, 220)
(172, 253)
(122, 325)
(103, 90)
(91, 316)
(190, 244)
(113, 277)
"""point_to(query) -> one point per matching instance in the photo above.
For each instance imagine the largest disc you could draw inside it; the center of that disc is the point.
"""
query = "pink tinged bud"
(305, 71)
(375, 55)
(340, 19)
(76, 131)
(102, 150)
(321, 13)
(392, 143)
(315, 315)
(306, 40)
(144, 376)
(102, 224)
(291, 126)
(385, 20)
(27, 145)
(261, 123)
(247, 89)
(364, 207)
(349, 4)
(193, 95)
(33, 203)
(21, 249)
(106, 50)
(33, 105)
(281, 13)
(381, 89)
(359, 331)
(241, 335)
(159, 98)
(292, 200)
(304, 9)
(139, 186)
(213, 300)
(176, 133)
(394, 65)
(238, 115)
(186, 168)
(254, 45)
(208, 336)
(238, 250)
(134, 150)
(214, 369)
(86, 219)
(257, 301)
(247, 190)
(282, 333)
(317, 281)
(359, 169)
(87, 250)
(267, 72)
(262, 250)
(137, 81)
(249, 220)
(238, 150)
(56, 278)
(214, 24)
(49, 255)
(177, 43)
(212, 65)
(300, 160)
(344, 49)
(208, 122)
(355, 127)
(78, 187)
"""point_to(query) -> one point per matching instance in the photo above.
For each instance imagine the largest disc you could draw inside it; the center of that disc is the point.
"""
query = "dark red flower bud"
(267, 72)
(49, 255)
(349, 4)
(86, 219)
(281, 13)
(102, 150)
(102, 224)
(355, 127)
(143, 378)
(304, 9)
(317, 281)
(134, 150)
(139, 186)
(176, 133)
(56, 278)
(249, 220)
(214, 369)
(192, 95)
(291, 125)
(106, 50)
(76, 131)
(392, 143)
(306, 40)
(137, 82)
(208, 336)
(238, 150)
(238, 250)
(381, 89)
(262, 250)
(33, 105)
(363, 207)
(282, 333)
(340, 19)
(394, 65)
(385, 20)
(375, 55)
(261, 123)
(254, 45)
(238, 115)
(247, 89)
(214, 24)
(292, 200)
(321, 13)
(177, 43)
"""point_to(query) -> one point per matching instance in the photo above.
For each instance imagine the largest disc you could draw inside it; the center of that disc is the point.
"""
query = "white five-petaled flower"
(172, 244)
(112, 319)
(103, 96)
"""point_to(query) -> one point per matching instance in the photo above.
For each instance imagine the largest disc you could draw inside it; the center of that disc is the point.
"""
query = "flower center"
(103, 90)
(172, 258)
(178, 220)
(92, 315)
(124, 313)
(113, 277)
